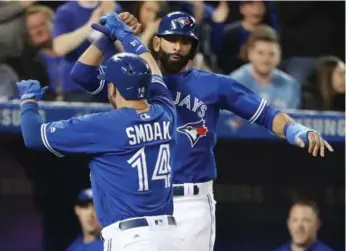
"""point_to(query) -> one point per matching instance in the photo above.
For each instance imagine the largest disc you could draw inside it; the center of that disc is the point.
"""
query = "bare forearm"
(92, 56)
(198, 11)
(65, 43)
(279, 122)
(155, 70)
(146, 37)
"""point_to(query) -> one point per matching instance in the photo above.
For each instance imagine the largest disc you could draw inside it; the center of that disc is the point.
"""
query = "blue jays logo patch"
(182, 21)
(194, 131)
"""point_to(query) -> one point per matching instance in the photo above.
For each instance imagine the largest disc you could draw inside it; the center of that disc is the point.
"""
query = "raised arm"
(88, 67)
(76, 135)
(235, 97)
(114, 27)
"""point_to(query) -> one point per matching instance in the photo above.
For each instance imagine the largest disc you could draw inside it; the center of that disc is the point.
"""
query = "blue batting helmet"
(179, 23)
(130, 74)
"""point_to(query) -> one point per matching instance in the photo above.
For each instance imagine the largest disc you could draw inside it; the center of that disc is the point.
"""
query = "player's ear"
(250, 53)
(76, 210)
(156, 43)
(111, 91)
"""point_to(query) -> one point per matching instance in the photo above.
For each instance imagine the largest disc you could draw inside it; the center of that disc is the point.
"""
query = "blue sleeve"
(237, 98)
(87, 134)
(159, 92)
(62, 22)
(87, 77)
(31, 121)
(84, 134)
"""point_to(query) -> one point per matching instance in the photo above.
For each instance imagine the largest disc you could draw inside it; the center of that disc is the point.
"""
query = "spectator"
(14, 49)
(237, 33)
(303, 224)
(148, 14)
(261, 75)
(9, 78)
(308, 30)
(12, 28)
(325, 86)
(73, 34)
(90, 238)
(39, 26)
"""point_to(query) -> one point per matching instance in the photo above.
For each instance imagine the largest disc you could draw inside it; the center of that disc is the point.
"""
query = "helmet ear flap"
(194, 49)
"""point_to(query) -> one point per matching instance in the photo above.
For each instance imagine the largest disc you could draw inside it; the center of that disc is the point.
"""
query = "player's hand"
(30, 89)
(131, 21)
(112, 26)
(315, 143)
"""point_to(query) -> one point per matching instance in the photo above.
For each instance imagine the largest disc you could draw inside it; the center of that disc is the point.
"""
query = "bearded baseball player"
(199, 97)
(130, 147)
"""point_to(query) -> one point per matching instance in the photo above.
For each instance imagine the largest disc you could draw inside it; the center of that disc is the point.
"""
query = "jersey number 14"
(162, 169)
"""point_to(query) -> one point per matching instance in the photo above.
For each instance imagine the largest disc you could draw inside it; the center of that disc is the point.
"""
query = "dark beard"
(172, 67)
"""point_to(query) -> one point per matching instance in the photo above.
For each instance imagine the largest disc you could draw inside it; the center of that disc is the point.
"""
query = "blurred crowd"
(290, 53)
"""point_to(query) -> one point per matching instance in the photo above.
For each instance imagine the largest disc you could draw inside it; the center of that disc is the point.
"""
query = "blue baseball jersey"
(199, 96)
(317, 246)
(131, 155)
(80, 245)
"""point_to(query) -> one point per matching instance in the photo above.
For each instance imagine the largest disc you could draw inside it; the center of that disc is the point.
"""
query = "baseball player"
(199, 97)
(130, 147)
(90, 238)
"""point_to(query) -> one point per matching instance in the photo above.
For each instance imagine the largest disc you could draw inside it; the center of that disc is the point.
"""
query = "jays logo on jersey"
(194, 131)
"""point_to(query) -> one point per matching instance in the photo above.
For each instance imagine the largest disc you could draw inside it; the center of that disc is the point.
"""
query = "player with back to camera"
(130, 147)
(199, 97)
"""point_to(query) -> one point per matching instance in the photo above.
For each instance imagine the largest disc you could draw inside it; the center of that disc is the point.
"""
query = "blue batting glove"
(30, 89)
(112, 26)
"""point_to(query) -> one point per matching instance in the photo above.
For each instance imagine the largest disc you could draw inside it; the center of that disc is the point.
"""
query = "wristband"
(105, 44)
(133, 44)
(292, 130)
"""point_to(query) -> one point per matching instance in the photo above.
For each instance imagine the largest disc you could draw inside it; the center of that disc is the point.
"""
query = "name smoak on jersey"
(193, 104)
(148, 132)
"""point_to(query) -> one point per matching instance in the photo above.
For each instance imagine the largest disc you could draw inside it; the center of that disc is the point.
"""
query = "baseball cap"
(85, 197)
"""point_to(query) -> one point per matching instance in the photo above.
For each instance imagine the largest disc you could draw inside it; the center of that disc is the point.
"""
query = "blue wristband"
(292, 130)
(105, 44)
(133, 44)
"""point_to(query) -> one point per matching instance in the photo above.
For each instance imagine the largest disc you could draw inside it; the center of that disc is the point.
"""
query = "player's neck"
(248, 25)
(139, 105)
(262, 79)
(296, 247)
(87, 237)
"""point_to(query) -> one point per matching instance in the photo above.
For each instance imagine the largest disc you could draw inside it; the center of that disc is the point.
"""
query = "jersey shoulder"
(75, 244)
(323, 247)
(284, 77)
(215, 81)
(241, 72)
(283, 247)
(206, 77)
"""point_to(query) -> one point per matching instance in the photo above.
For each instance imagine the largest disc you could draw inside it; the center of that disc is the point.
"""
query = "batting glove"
(112, 26)
(30, 89)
